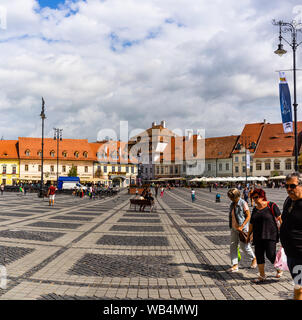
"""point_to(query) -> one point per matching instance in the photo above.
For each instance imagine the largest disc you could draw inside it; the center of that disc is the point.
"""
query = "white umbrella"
(277, 178)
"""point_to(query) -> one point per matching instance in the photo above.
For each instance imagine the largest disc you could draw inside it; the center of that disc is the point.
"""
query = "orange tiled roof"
(68, 146)
(275, 143)
(220, 147)
(9, 149)
(111, 151)
(158, 129)
(250, 133)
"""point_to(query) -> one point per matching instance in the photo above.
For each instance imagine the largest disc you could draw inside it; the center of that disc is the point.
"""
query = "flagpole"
(293, 28)
(295, 105)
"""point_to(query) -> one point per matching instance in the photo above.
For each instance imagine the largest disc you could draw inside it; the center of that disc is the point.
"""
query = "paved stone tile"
(101, 250)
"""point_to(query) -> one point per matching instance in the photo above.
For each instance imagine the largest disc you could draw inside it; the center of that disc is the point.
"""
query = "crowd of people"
(265, 226)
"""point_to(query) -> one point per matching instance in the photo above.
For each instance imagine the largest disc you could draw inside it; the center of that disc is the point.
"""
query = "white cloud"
(193, 63)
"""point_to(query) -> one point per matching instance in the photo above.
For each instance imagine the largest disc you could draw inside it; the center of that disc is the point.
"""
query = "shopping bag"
(281, 260)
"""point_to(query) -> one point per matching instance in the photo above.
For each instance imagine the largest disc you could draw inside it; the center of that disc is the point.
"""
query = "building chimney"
(264, 121)
(163, 124)
(153, 124)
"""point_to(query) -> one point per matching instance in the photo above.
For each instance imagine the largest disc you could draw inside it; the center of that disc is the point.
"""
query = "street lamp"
(58, 137)
(293, 28)
(43, 117)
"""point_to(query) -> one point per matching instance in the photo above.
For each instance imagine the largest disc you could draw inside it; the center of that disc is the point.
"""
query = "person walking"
(156, 190)
(193, 194)
(246, 194)
(250, 193)
(264, 226)
(239, 216)
(51, 194)
(2, 189)
(291, 229)
(162, 189)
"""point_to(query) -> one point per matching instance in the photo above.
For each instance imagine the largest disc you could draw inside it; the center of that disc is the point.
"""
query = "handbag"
(243, 237)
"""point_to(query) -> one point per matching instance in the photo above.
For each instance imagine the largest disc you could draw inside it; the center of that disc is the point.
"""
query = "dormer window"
(64, 154)
(27, 152)
(39, 153)
(85, 154)
(76, 154)
(52, 154)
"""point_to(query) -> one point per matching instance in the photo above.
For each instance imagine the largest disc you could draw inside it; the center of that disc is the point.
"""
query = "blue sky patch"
(53, 4)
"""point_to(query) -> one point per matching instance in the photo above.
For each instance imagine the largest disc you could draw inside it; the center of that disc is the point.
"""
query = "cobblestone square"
(100, 249)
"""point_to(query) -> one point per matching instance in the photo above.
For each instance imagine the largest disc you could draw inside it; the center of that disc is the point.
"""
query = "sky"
(196, 64)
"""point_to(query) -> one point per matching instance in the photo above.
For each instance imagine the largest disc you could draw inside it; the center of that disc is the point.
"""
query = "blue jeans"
(295, 269)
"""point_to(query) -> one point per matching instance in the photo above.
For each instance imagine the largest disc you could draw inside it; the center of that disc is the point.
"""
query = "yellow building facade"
(9, 162)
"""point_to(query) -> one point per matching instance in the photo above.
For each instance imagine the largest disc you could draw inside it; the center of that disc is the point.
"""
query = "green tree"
(73, 172)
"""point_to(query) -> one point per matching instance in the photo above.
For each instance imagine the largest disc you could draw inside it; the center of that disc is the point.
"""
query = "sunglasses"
(291, 186)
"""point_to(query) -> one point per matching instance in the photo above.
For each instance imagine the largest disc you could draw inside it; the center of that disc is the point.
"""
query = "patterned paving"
(83, 249)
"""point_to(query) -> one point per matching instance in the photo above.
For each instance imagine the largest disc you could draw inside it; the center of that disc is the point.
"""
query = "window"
(39, 153)
(157, 170)
(64, 154)
(119, 169)
(227, 166)
(288, 166)
(52, 168)
(243, 158)
(64, 168)
(105, 169)
(236, 159)
(113, 169)
(162, 170)
(243, 169)
(176, 169)
(85, 154)
(209, 167)
(39, 168)
(76, 154)
(171, 169)
(251, 168)
(132, 169)
(220, 166)
(236, 169)
(267, 166)
(184, 168)
(26, 167)
(52, 153)
(276, 165)
(14, 170)
(258, 166)
(4, 170)
(127, 169)
(146, 170)
(86, 169)
(27, 153)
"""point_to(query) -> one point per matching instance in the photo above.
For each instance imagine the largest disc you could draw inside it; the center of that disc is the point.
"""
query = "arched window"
(276, 165)
(52, 153)
(64, 154)
(39, 153)
(76, 154)
(27, 152)
(85, 154)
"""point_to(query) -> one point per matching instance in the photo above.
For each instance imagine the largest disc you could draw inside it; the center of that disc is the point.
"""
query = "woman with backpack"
(264, 224)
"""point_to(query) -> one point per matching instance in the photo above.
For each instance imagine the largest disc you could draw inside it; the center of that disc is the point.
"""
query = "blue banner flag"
(285, 104)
